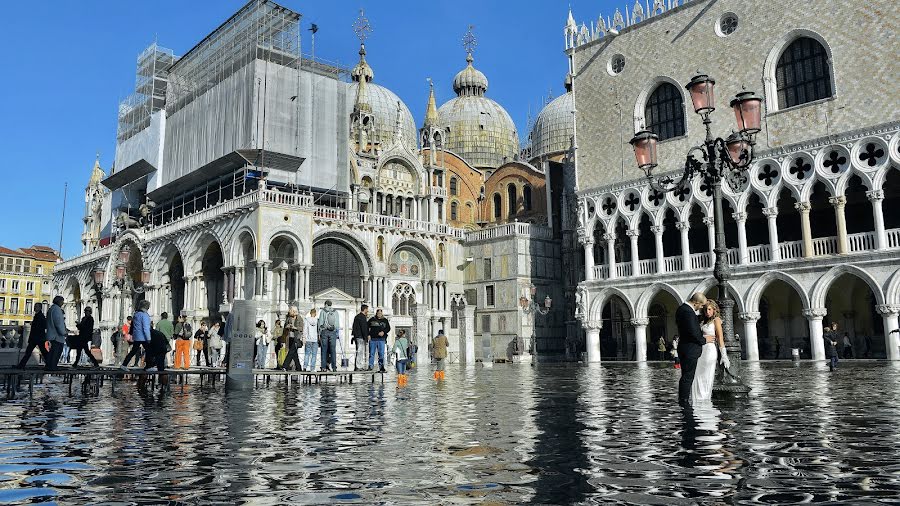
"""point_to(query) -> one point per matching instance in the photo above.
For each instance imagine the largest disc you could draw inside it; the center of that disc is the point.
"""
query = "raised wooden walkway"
(93, 379)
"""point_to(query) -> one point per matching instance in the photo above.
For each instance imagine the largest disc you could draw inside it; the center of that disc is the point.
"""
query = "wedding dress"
(701, 388)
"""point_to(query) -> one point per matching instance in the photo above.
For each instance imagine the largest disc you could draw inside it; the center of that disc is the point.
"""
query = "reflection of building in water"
(811, 235)
(245, 169)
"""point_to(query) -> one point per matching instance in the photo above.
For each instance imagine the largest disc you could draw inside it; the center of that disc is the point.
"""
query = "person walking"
(412, 351)
(38, 336)
(155, 351)
(439, 347)
(278, 337)
(201, 343)
(263, 338)
(215, 344)
(165, 326)
(329, 321)
(360, 334)
(675, 352)
(183, 333)
(848, 346)
(831, 342)
(379, 326)
(399, 350)
(83, 340)
(292, 329)
(311, 340)
(140, 334)
(661, 347)
(56, 333)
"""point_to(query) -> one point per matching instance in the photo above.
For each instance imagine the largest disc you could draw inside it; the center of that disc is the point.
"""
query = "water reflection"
(508, 434)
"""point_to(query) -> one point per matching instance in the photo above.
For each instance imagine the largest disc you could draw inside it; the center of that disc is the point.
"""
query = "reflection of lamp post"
(716, 159)
(530, 307)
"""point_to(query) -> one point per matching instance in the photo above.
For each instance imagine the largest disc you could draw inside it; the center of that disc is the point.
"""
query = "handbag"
(216, 342)
(198, 344)
(282, 354)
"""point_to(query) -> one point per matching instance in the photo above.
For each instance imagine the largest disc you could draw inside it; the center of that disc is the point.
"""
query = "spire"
(362, 73)
(570, 23)
(431, 114)
(97, 173)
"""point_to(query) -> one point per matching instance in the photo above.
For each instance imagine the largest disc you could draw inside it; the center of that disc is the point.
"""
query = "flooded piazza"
(504, 435)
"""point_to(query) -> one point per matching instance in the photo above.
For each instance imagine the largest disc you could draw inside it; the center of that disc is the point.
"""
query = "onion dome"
(553, 129)
(478, 129)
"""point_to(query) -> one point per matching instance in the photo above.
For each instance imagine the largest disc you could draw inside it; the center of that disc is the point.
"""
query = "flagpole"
(62, 222)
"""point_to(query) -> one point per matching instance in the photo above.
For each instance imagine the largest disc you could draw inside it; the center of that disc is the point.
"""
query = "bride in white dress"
(711, 325)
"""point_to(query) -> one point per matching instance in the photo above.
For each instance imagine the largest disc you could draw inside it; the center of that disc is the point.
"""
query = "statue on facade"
(124, 222)
(580, 296)
(580, 213)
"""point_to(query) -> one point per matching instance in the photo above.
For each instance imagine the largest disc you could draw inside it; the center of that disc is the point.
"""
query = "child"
(400, 346)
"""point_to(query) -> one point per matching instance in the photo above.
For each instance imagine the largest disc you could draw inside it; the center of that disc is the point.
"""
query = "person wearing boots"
(378, 332)
(360, 334)
(329, 321)
(38, 336)
(399, 349)
(439, 347)
(292, 331)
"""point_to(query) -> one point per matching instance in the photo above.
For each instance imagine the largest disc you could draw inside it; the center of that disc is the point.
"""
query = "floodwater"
(504, 435)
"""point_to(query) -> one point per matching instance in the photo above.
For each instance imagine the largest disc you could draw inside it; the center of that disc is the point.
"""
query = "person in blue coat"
(140, 333)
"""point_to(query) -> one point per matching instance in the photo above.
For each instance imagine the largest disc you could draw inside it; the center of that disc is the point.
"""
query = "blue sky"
(69, 63)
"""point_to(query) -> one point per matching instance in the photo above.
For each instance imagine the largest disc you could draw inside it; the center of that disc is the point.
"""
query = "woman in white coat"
(263, 339)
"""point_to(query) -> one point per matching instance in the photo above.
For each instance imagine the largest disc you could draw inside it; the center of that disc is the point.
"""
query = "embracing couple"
(700, 327)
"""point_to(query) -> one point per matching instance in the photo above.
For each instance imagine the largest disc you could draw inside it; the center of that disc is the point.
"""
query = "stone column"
(839, 203)
(635, 261)
(684, 227)
(188, 293)
(743, 254)
(889, 314)
(751, 343)
(239, 283)
(306, 294)
(640, 338)
(711, 238)
(588, 244)
(771, 214)
(592, 340)
(467, 336)
(610, 254)
(816, 340)
(805, 229)
(660, 259)
(876, 197)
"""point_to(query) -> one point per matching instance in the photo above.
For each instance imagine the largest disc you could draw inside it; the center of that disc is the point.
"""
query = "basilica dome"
(478, 129)
(553, 129)
(384, 105)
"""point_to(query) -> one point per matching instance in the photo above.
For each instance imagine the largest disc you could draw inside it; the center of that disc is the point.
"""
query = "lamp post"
(715, 160)
(531, 307)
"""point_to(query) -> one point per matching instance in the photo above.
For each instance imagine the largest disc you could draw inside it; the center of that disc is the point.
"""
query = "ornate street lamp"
(714, 160)
(529, 306)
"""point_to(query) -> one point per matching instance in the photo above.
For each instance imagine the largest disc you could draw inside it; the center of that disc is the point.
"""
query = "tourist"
(691, 345)
(201, 343)
(140, 334)
(675, 352)
(329, 321)
(311, 338)
(56, 333)
(215, 344)
(155, 351)
(661, 347)
(378, 332)
(399, 351)
(412, 351)
(831, 341)
(85, 335)
(262, 344)
(439, 347)
(278, 336)
(848, 346)
(705, 373)
(292, 330)
(183, 332)
(360, 334)
(165, 326)
(38, 336)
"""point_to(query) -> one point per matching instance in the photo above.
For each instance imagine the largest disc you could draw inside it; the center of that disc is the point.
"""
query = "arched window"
(803, 73)
(526, 197)
(403, 300)
(454, 186)
(511, 199)
(664, 112)
(454, 211)
(497, 205)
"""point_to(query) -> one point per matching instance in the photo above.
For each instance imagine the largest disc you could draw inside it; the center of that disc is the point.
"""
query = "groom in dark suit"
(690, 346)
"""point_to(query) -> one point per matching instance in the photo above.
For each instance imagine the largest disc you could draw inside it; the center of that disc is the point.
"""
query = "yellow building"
(25, 276)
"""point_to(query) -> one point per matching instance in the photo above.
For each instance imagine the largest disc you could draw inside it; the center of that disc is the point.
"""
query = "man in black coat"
(37, 337)
(84, 338)
(360, 334)
(690, 346)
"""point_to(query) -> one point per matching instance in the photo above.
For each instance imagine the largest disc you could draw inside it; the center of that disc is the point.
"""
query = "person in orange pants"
(182, 344)
(439, 347)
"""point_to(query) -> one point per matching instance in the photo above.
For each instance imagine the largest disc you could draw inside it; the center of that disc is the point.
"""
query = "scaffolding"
(149, 91)
(260, 30)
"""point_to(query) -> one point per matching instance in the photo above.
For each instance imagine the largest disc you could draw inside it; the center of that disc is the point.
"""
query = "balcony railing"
(329, 214)
(510, 229)
(756, 255)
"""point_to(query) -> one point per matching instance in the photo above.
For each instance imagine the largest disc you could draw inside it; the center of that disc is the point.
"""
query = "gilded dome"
(383, 103)
(553, 129)
(479, 129)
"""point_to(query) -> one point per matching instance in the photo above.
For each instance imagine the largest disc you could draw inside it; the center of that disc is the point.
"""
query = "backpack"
(329, 320)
